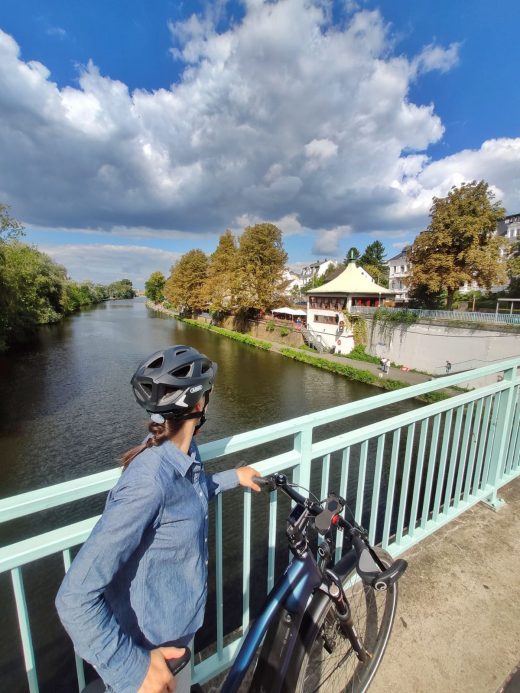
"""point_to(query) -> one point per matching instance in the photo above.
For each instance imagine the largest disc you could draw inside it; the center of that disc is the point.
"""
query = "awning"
(289, 311)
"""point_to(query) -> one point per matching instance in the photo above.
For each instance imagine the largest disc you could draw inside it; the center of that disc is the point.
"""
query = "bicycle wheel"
(330, 664)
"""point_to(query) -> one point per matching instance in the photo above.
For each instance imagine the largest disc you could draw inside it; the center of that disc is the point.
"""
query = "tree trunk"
(449, 300)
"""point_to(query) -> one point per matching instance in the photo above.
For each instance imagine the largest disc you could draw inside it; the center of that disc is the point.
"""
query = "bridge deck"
(458, 622)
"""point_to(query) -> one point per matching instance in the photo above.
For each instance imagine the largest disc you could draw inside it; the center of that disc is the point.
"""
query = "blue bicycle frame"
(291, 597)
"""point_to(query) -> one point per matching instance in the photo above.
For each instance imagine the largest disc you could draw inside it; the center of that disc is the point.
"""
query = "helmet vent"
(182, 372)
(157, 363)
(147, 388)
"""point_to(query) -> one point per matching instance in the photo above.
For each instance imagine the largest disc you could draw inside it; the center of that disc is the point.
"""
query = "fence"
(405, 476)
(457, 315)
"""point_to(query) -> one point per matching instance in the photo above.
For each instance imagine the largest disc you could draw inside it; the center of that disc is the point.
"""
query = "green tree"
(373, 262)
(121, 289)
(351, 253)
(32, 288)
(154, 287)
(374, 255)
(9, 227)
(459, 244)
(184, 288)
(260, 264)
(219, 286)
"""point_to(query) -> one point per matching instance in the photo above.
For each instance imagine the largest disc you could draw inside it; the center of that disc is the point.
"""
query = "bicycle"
(326, 625)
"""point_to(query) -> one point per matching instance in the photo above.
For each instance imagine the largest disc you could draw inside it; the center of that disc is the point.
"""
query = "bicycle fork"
(344, 616)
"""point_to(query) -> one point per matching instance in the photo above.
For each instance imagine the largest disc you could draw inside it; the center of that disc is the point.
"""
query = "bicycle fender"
(282, 634)
(307, 633)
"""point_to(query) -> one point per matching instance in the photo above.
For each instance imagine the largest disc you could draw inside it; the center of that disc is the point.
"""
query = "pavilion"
(326, 304)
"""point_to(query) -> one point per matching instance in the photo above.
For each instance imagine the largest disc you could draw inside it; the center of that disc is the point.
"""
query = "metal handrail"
(458, 451)
(458, 315)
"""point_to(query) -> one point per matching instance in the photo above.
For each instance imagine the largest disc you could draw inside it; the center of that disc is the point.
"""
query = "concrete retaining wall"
(427, 347)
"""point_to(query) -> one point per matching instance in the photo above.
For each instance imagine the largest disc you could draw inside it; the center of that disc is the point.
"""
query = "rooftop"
(351, 281)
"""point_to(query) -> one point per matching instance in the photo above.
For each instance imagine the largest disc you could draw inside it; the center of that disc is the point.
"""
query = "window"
(325, 319)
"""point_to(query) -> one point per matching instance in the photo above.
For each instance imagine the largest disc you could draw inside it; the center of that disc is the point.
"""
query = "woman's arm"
(132, 507)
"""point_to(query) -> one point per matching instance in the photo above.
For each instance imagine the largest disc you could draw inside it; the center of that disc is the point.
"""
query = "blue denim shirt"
(139, 581)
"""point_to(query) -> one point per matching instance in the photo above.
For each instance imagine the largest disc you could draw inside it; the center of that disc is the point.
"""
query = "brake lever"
(177, 664)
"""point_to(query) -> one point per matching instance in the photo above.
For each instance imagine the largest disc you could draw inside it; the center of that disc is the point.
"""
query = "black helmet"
(172, 381)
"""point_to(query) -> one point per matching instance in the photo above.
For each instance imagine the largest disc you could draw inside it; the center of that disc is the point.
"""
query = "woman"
(136, 591)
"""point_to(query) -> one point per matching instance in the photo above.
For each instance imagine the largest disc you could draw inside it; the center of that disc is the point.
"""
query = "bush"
(403, 316)
(284, 332)
(358, 353)
(270, 326)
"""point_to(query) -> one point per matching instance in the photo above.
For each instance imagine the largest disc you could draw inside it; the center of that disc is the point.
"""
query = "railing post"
(303, 445)
(500, 439)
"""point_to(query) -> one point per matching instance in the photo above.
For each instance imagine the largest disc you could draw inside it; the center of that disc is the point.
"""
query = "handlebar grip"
(266, 483)
(178, 663)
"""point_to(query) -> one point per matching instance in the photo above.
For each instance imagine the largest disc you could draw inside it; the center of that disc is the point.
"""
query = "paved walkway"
(409, 377)
(458, 622)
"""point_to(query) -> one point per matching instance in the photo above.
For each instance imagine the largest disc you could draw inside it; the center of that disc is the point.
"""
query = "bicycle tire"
(340, 671)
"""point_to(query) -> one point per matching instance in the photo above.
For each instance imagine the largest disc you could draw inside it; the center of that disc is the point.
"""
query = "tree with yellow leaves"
(460, 244)
(218, 288)
(261, 261)
(184, 286)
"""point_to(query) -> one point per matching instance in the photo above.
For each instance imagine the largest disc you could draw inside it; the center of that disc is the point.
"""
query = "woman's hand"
(159, 678)
(245, 477)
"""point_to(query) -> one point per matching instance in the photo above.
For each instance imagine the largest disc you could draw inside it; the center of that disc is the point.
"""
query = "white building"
(326, 304)
(399, 267)
(315, 270)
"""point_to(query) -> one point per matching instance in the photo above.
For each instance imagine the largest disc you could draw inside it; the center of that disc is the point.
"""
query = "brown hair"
(160, 433)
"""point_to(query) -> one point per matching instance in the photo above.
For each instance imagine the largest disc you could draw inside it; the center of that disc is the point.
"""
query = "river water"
(67, 410)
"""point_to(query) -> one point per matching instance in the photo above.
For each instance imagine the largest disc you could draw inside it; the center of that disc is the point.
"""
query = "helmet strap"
(203, 412)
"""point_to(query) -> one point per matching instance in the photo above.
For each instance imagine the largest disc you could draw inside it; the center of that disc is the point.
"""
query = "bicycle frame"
(291, 599)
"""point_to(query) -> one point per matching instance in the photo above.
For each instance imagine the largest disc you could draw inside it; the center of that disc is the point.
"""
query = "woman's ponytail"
(160, 432)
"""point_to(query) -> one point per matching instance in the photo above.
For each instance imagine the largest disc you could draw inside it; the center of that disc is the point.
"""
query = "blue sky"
(131, 132)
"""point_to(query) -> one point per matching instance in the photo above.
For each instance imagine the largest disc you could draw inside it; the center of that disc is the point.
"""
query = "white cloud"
(105, 263)
(284, 116)
(327, 242)
(56, 31)
(435, 57)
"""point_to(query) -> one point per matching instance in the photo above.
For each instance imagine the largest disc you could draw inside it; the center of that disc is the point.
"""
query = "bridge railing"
(458, 315)
(404, 477)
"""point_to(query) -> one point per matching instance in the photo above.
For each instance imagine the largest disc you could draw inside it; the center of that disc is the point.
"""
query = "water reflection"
(66, 410)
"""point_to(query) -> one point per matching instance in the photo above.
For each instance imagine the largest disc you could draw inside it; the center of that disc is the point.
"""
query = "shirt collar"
(179, 459)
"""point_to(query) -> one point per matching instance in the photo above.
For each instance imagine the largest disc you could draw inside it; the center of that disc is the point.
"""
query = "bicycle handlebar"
(368, 565)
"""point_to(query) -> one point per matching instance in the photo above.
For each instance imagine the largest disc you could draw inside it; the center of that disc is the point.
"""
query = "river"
(67, 410)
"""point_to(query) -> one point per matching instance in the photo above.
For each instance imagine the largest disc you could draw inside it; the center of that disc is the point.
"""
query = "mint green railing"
(460, 315)
(437, 462)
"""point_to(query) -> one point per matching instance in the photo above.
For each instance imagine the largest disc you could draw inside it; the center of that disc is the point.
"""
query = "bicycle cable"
(305, 489)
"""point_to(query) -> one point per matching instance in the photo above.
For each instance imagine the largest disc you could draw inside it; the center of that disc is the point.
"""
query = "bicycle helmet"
(171, 382)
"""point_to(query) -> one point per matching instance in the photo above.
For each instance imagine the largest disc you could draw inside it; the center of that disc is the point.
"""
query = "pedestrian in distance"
(386, 366)
(448, 367)
(135, 595)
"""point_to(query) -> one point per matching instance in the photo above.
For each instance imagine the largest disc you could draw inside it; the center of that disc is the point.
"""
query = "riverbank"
(360, 371)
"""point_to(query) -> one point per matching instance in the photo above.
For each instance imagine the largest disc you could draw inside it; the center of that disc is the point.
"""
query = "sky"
(132, 132)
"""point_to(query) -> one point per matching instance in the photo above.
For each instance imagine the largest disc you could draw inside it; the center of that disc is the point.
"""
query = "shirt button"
(206, 563)
(206, 540)
(205, 517)
(200, 493)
